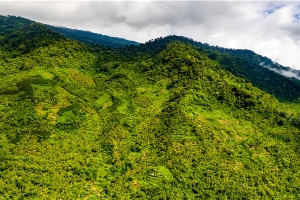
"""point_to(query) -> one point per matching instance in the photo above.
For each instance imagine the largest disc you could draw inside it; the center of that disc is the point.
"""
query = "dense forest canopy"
(242, 63)
(168, 119)
(11, 24)
(92, 38)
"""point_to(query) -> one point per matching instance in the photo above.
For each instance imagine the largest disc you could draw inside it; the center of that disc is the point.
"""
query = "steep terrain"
(93, 38)
(29, 38)
(151, 122)
(10, 24)
(256, 69)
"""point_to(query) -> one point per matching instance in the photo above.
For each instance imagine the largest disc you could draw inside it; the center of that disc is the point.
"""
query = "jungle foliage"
(163, 120)
(242, 63)
(10, 24)
(92, 38)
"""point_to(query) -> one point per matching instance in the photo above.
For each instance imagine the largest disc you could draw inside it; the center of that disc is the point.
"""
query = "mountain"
(162, 120)
(271, 83)
(242, 63)
(93, 38)
(257, 59)
(29, 38)
(10, 24)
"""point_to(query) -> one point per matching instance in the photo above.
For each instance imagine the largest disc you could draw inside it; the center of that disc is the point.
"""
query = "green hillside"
(29, 38)
(242, 63)
(93, 38)
(88, 122)
(10, 24)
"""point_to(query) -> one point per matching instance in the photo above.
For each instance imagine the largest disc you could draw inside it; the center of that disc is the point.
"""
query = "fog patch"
(290, 73)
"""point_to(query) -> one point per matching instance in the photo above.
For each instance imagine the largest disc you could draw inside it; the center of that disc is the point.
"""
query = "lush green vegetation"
(29, 38)
(156, 121)
(11, 24)
(93, 38)
(242, 63)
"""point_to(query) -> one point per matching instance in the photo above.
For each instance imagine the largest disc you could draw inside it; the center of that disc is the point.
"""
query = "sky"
(269, 28)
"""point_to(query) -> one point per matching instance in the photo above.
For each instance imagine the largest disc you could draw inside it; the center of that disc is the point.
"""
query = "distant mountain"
(283, 82)
(260, 71)
(257, 59)
(9, 24)
(92, 38)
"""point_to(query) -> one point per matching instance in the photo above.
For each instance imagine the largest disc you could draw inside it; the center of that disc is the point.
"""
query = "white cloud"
(268, 28)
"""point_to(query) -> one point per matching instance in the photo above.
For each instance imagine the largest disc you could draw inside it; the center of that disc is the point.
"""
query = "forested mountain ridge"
(242, 63)
(92, 38)
(257, 69)
(29, 38)
(10, 24)
(161, 122)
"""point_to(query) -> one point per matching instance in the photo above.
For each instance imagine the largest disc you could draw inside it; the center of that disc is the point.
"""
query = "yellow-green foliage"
(76, 124)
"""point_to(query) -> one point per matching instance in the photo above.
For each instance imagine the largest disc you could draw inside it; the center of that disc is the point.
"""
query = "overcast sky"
(269, 28)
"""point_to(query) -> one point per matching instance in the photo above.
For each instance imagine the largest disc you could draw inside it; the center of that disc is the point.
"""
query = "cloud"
(287, 73)
(268, 28)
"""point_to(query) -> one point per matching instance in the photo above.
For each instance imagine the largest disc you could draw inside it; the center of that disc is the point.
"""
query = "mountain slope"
(29, 38)
(11, 24)
(271, 77)
(242, 63)
(91, 122)
(92, 38)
